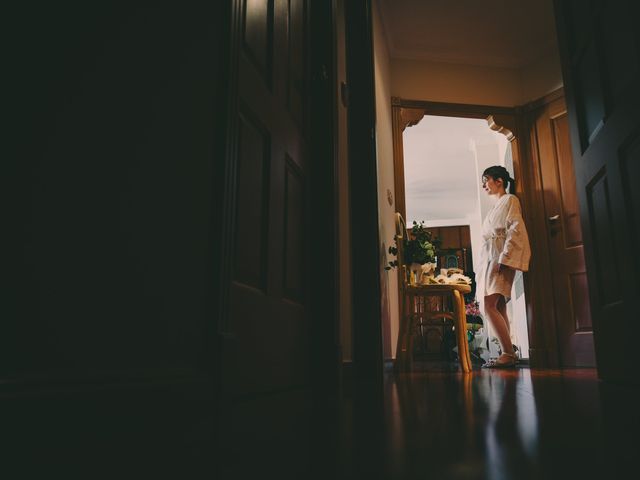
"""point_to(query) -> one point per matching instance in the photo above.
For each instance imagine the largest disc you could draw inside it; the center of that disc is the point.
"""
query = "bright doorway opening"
(444, 158)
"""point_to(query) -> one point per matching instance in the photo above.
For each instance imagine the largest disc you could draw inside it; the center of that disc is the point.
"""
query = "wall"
(115, 191)
(105, 338)
(454, 83)
(541, 77)
(384, 149)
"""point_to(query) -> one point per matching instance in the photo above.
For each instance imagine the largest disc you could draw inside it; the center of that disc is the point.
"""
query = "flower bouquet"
(420, 251)
(421, 247)
(472, 310)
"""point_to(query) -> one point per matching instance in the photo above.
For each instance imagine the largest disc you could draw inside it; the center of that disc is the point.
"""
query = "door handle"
(554, 218)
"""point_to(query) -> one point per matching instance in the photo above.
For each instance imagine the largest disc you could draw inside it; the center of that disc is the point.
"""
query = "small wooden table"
(409, 321)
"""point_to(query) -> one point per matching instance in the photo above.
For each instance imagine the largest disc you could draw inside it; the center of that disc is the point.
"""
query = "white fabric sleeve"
(516, 241)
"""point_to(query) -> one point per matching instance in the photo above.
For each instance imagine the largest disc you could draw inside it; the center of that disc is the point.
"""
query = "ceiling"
(492, 33)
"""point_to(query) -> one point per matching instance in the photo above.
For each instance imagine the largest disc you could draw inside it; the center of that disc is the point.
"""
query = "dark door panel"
(599, 49)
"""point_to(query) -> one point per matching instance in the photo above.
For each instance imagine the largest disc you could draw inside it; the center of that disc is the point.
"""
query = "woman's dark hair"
(499, 172)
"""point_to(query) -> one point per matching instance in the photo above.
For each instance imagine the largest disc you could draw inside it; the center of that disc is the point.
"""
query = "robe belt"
(495, 235)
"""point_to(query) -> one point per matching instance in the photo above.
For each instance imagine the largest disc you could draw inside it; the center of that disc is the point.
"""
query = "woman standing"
(505, 250)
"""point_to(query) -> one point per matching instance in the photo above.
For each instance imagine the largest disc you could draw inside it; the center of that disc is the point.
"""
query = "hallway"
(200, 201)
(512, 424)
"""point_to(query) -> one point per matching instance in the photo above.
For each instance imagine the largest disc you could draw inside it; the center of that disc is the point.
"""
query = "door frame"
(514, 124)
(363, 198)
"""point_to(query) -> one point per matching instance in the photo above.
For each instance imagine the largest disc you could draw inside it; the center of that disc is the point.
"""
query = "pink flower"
(472, 309)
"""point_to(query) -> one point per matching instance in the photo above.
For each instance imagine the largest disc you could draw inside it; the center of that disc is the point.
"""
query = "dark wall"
(116, 127)
(117, 117)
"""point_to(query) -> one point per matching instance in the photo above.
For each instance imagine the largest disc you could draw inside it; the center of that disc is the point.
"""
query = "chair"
(414, 312)
(453, 258)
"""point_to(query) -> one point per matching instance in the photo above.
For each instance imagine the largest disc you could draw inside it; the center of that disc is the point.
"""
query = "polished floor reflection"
(507, 424)
(434, 423)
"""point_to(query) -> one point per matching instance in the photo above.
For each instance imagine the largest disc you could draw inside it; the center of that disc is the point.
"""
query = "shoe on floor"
(510, 362)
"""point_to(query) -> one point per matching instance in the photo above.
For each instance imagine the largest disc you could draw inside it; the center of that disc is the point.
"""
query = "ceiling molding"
(504, 124)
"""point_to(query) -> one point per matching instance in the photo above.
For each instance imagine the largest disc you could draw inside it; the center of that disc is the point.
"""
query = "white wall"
(384, 149)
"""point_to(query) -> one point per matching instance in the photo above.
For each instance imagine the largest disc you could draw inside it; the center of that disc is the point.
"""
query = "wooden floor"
(494, 424)
(434, 423)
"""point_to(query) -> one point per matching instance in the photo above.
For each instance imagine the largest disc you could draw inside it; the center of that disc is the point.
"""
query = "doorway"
(474, 90)
(444, 158)
(440, 152)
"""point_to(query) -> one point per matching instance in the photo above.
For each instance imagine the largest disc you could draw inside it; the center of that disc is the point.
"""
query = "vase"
(429, 269)
(415, 273)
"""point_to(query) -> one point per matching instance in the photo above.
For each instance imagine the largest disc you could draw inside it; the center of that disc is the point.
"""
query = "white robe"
(505, 242)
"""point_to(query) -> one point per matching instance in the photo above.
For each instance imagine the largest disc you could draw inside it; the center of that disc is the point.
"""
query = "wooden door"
(601, 66)
(267, 311)
(564, 235)
(266, 330)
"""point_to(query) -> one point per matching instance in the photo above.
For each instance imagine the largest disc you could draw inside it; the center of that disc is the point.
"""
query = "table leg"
(461, 326)
(401, 363)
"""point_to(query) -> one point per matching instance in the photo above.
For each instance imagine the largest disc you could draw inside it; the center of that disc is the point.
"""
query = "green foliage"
(421, 247)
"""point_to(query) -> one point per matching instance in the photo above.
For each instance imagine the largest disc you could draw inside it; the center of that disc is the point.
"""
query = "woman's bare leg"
(497, 315)
(502, 308)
